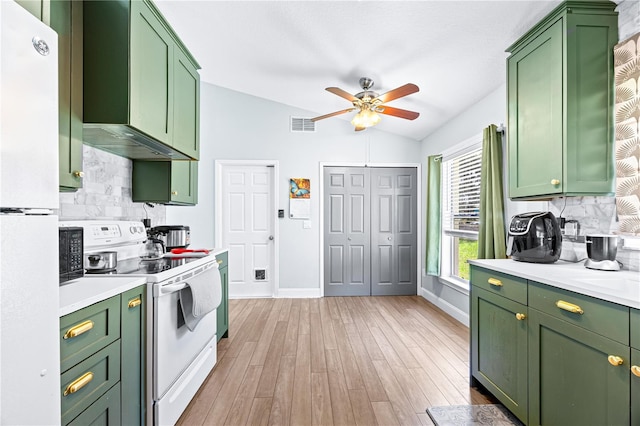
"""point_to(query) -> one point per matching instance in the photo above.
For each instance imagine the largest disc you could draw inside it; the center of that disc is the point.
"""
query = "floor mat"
(467, 415)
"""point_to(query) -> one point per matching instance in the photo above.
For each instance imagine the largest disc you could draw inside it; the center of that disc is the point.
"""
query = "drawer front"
(508, 286)
(602, 317)
(222, 259)
(104, 412)
(104, 370)
(635, 328)
(88, 330)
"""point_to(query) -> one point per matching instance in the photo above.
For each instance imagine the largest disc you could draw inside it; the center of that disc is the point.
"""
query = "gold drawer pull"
(635, 370)
(79, 383)
(219, 261)
(520, 316)
(615, 360)
(555, 182)
(77, 330)
(78, 174)
(570, 307)
(135, 302)
(495, 281)
(174, 192)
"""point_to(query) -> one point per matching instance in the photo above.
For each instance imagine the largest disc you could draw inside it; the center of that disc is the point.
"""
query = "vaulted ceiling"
(290, 51)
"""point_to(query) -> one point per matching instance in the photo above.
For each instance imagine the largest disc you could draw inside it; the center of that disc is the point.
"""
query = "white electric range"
(178, 359)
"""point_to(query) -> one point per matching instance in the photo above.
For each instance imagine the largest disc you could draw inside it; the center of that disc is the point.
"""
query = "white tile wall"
(106, 192)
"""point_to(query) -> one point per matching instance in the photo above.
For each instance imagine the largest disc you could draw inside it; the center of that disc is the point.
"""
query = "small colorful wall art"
(299, 198)
(627, 114)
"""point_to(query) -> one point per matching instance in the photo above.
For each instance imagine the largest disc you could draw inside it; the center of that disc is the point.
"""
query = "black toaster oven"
(71, 253)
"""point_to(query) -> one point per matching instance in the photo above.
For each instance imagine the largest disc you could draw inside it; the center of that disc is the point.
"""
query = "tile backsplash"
(106, 192)
(595, 215)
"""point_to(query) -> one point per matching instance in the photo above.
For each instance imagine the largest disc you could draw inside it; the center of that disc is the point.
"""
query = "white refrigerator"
(29, 347)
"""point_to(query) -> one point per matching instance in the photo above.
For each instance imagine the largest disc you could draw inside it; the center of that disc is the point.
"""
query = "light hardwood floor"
(335, 360)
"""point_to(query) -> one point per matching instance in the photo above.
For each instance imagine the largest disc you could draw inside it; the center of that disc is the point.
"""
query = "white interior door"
(248, 228)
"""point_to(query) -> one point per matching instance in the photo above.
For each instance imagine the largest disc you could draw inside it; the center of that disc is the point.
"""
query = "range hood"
(126, 141)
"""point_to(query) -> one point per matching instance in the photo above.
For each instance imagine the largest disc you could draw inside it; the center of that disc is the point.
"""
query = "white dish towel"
(199, 298)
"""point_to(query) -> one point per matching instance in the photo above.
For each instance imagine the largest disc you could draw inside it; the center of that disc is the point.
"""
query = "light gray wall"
(237, 126)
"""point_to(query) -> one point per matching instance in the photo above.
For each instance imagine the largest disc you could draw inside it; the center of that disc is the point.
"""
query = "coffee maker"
(601, 252)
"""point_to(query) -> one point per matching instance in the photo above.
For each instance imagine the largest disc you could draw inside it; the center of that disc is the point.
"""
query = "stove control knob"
(132, 229)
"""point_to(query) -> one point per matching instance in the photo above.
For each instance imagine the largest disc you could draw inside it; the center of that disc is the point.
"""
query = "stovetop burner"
(144, 266)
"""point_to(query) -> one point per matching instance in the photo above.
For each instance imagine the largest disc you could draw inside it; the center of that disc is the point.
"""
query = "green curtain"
(491, 237)
(434, 170)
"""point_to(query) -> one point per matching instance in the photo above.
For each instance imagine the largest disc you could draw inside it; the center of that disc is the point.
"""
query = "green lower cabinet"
(104, 412)
(635, 387)
(133, 355)
(165, 182)
(222, 321)
(635, 328)
(499, 348)
(571, 380)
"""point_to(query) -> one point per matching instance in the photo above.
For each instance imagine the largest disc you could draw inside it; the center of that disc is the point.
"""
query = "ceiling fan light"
(365, 118)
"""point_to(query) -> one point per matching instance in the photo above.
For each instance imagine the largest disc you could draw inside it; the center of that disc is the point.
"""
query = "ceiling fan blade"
(397, 112)
(342, 93)
(399, 92)
(322, 117)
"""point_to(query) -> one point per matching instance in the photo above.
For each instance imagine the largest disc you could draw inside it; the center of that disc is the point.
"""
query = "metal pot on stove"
(172, 236)
(100, 261)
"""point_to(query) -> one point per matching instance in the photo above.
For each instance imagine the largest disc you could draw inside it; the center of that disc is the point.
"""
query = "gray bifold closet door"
(370, 238)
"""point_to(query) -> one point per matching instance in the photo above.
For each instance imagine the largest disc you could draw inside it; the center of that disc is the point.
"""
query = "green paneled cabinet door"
(560, 104)
(65, 17)
(222, 321)
(165, 182)
(635, 386)
(151, 61)
(104, 412)
(571, 379)
(133, 356)
(499, 348)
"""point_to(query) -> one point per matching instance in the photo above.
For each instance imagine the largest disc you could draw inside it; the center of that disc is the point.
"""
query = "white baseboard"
(298, 293)
(453, 311)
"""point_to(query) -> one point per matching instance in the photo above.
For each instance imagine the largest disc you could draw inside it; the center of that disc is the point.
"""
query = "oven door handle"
(172, 288)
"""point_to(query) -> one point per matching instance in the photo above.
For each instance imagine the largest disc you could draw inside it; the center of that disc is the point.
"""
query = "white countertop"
(82, 292)
(622, 287)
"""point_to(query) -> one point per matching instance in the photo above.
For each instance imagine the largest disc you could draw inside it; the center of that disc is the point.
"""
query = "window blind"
(461, 191)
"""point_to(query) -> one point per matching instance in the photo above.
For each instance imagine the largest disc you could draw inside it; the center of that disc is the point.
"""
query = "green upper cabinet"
(140, 83)
(165, 182)
(560, 104)
(65, 17)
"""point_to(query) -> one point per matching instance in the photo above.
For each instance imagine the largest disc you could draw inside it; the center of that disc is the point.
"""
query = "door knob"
(389, 238)
(271, 237)
(348, 238)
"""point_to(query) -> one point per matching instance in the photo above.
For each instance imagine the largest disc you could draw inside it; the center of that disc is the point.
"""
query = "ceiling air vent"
(299, 124)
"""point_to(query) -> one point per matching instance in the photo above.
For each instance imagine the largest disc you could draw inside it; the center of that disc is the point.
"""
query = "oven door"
(175, 346)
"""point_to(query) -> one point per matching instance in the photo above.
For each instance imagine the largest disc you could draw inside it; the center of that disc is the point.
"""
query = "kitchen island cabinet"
(66, 18)
(165, 182)
(560, 104)
(103, 353)
(151, 90)
(579, 352)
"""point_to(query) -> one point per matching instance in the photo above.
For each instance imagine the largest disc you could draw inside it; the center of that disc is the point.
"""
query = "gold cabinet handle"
(615, 360)
(495, 281)
(219, 261)
(635, 370)
(134, 303)
(78, 174)
(520, 316)
(570, 307)
(77, 330)
(174, 192)
(555, 182)
(78, 383)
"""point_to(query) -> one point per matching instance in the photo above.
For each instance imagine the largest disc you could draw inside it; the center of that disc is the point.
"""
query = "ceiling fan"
(369, 104)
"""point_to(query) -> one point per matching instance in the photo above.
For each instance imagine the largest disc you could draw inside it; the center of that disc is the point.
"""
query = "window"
(460, 212)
